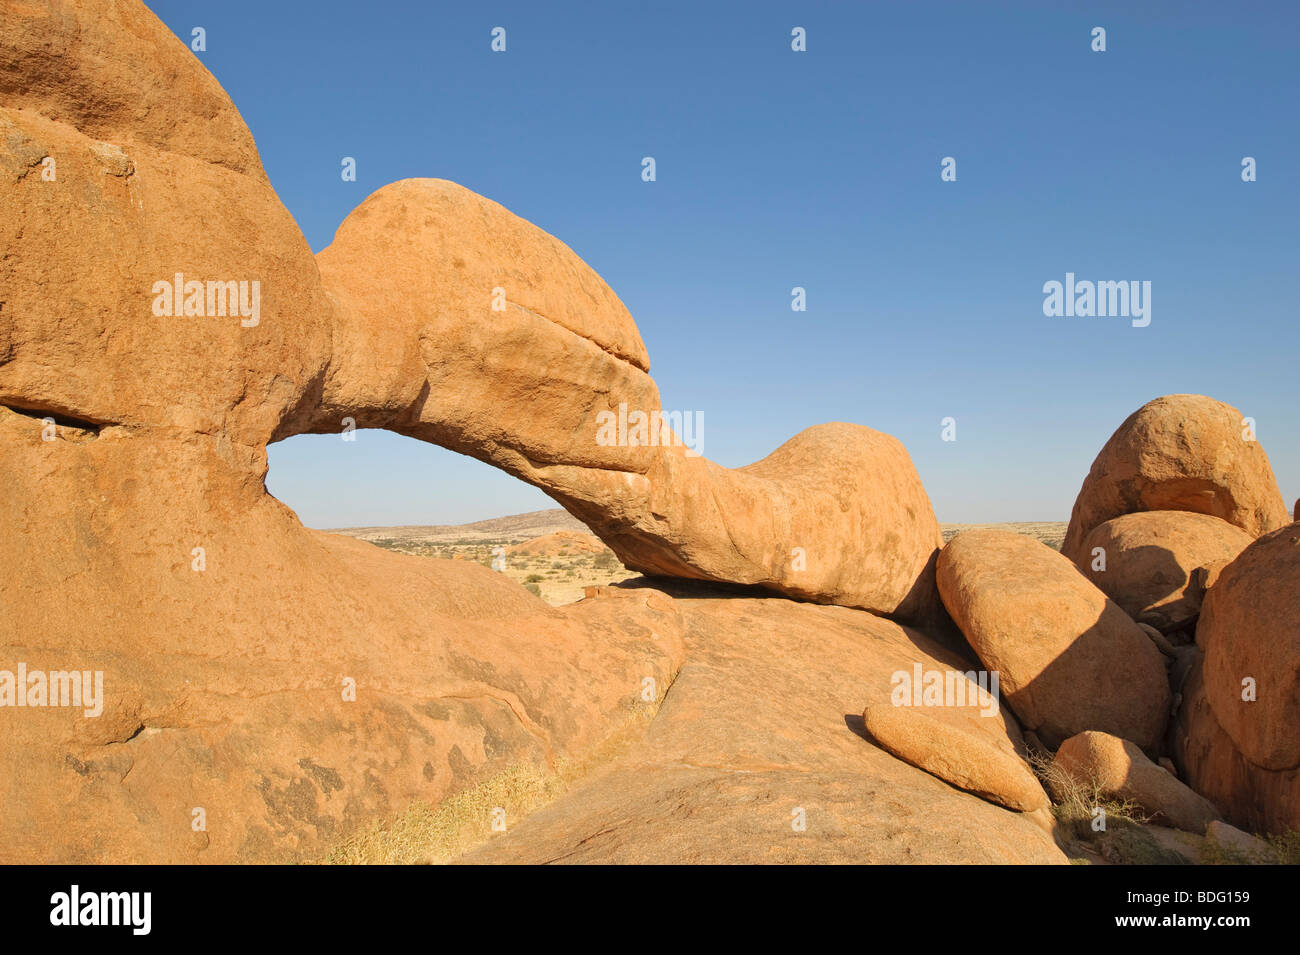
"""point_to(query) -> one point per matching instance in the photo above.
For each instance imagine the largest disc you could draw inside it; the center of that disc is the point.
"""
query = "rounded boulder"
(1180, 453)
(1250, 632)
(1157, 564)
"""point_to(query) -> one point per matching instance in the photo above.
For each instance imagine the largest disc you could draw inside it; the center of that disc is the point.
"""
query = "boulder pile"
(1163, 602)
(1179, 453)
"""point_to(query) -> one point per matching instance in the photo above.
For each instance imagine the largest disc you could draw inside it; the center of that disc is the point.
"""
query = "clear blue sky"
(822, 169)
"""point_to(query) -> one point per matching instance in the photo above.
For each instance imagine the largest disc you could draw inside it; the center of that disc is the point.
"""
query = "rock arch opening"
(372, 478)
(412, 497)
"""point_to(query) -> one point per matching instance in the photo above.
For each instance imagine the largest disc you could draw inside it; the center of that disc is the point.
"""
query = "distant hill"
(560, 543)
(522, 526)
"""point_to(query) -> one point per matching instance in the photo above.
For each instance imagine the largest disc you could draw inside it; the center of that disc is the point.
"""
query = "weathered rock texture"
(1179, 453)
(154, 174)
(512, 352)
(763, 722)
(1159, 563)
(1118, 768)
(1245, 754)
(225, 687)
(1069, 658)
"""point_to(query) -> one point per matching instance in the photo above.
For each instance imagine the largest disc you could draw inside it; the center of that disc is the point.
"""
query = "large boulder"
(518, 354)
(1179, 453)
(1115, 767)
(1254, 798)
(1157, 564)
(1250, 632)
(1069, 658)
(1238, 733)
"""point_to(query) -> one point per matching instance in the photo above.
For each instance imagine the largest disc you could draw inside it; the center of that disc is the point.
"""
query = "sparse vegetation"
(436, 834)
(556, 575)
(1124, 840)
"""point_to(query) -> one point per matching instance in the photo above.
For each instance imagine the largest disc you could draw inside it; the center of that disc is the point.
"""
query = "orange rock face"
(159, 175)
(1254, 798)
(1179, 453)
(1250, 631)
(256, 691)
(292, 685)
(1069, 658)
(1157, 564)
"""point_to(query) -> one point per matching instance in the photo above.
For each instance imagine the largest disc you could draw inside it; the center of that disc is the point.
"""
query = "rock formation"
(519, 355)
(1179, 453)
(187, 674)
(266, 688)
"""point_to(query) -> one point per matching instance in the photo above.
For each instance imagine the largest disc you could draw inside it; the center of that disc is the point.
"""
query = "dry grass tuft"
(1123, 841)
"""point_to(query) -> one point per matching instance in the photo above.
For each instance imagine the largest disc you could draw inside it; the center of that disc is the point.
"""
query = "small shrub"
(1124, 841)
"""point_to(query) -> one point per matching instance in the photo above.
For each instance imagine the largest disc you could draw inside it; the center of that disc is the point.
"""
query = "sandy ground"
(560, 575)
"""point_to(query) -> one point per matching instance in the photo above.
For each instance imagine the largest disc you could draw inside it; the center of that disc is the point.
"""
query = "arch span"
(459, 323)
